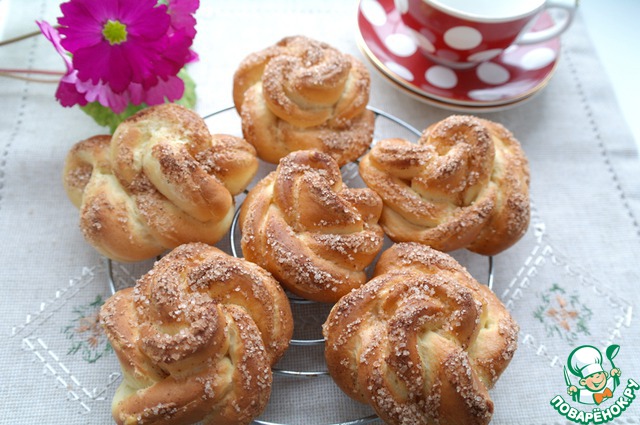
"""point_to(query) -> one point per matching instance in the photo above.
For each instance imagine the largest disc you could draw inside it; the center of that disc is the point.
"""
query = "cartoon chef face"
(586, 362)
(595, 382)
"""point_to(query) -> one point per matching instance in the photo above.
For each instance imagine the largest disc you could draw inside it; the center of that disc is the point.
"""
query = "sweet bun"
(160, 181)
(304, 94)
(465, 184)
(422, 342)
(314, 234)
(196, 338)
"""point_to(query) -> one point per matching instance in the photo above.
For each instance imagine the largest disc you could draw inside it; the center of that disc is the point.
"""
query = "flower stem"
(11, 73)
(15, 73)
(22, 37)
(30, 71)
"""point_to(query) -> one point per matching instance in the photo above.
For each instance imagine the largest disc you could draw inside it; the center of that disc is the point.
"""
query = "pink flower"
(67, 93)
(123, 51)
(183, 24)
(116, 41)
(181, 12)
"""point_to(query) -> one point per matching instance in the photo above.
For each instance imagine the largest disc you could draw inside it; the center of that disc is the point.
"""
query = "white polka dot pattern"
(501, 76)
(484, 95)
(400, 70)
(492, 73)
(463, 38)
(423, 42)
(485, 55)
(400, 44)
(441, 76)
(402, 5)
(538, 58)
(373, 12)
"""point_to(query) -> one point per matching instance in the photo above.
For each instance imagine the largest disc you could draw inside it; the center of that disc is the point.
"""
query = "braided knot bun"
(465, 184)
(314, 234)
(160, 181)
(421, 342)
(196, 338)
(303, 94)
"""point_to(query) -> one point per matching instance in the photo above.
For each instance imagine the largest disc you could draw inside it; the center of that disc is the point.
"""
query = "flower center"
(115, 32)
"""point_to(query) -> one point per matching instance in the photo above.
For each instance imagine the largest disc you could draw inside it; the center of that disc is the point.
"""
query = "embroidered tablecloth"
(572, 280)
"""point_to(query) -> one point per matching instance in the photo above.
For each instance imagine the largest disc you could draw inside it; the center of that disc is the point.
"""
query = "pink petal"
(78, 26)
(90, 10)
(117, 102)
(104, 95)
(176, 54)
(103, 63)
(140, 10)
(67, 92)
(150, 24)
(181, 12)
(183, 7)
(143, 60)
(119, 73)
(136, 93)
(170, 89)
(193, 57)
(54, 37)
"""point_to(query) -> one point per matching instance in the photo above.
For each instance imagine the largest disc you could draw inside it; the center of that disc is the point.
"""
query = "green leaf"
(188, 99)
(106, 117)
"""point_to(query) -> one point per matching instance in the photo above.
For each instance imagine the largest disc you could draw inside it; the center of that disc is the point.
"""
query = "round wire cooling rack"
(226, 121)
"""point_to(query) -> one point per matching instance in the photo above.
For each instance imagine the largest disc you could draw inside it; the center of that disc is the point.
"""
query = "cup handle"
(569, 9)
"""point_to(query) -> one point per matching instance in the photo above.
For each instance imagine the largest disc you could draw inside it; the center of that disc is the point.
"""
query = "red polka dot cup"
(465, 33)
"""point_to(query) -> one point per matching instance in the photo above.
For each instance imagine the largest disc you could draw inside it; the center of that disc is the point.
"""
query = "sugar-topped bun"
(312, 232)
(304, 94)
(465, 184)
(422, 342)
(196, 338)
(161, 180)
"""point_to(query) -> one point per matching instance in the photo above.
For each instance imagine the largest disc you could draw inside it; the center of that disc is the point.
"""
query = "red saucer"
(515, 75)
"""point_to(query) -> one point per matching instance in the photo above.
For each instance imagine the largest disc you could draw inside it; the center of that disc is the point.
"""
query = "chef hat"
(585, 360)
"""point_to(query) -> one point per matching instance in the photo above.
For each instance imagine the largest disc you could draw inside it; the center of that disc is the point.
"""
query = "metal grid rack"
(380, 117)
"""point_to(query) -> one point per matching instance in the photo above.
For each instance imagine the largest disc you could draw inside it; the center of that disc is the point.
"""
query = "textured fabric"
(572, 280)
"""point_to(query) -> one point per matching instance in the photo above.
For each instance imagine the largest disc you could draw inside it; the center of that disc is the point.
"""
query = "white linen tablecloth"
(573, 280)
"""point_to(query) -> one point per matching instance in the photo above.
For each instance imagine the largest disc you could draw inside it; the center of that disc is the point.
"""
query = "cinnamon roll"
(465, 184)
(314, 234)
(304, 94)
(422, 342)
(161, 180)
(196, 338)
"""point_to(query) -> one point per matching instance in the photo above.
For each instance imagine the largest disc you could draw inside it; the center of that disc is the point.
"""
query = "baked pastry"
(304, 94)
(465, 184)
(196, 338)
(422, 342)
(314, 234)
(161, 180)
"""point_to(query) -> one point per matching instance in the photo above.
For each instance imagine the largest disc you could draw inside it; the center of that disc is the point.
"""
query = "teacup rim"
(437, 4)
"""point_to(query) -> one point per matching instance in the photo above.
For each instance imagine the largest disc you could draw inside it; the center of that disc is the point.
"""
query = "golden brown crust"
(422, 342)
(314, 234)
(196, 339)
(304, 94)
(161, 180)
(465, 184)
